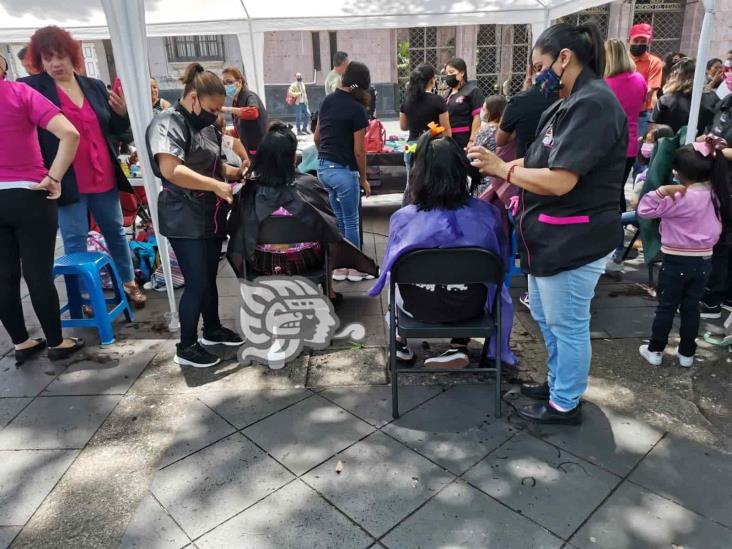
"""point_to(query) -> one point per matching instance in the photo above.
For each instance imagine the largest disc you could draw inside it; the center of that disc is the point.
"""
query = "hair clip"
(710, 145)
(435, 129)
(410, 148)
(354, 86)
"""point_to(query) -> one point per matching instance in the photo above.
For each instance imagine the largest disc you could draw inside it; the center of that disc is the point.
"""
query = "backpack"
(144, 259)
(375, 136)
(289, 98)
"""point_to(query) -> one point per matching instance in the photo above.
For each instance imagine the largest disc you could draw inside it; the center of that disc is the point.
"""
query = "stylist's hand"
(365, 186)
(224, 191)
(50, 186)
(486, 161)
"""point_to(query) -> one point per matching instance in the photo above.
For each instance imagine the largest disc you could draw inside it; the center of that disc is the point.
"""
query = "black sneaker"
(404, 353)
(195, 356)
(710, 311)
(221, 336)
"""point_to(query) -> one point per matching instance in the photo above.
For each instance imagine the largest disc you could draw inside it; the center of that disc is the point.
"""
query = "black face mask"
(636, 50)
(299, 79)
(451, 80)
(201, 120)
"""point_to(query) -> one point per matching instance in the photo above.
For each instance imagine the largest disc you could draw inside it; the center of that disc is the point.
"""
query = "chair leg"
(73, 294)
(498, 333)
(630, 244)
(99, 304)
(392, 366)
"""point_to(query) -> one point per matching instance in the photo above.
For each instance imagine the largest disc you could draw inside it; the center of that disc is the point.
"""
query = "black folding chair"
(290, 230)
(446, 266)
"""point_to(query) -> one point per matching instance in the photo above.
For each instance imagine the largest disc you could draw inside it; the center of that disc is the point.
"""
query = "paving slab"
(376, 334)
(152, 528)
(199, 428)
(461, 516)
(26, 478)
(292, 518)
(450, 432)
(108, 376)
(373, 404)
(308, 433)
(28, 380)
(7, 534)
(242, 408)
(9, 408)
(554, 488)
(634, 518)
(351, 366)
(608, 439)
(382, 481)
(624, 322)
(210, 486)
(669, 470)
(57, 422)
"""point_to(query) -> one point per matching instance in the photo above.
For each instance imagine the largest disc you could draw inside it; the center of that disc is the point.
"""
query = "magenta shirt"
(630, 88)
(22, 111)
(92, 164)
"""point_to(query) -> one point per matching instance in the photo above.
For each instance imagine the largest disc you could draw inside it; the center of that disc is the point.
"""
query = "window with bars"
(598, 15)
(207, 47)
(433, 45)
(502, 58)
(667, 20)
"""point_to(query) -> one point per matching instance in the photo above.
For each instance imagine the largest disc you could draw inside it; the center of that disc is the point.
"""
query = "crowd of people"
(550, 164)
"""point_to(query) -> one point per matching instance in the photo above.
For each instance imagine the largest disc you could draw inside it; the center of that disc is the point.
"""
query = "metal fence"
(433, 45)
(600, 15)
(502, 58)
(667, 19)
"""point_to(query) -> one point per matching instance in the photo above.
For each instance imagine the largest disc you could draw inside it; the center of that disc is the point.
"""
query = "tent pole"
(256, 61)
(702, 54)
(126, 22)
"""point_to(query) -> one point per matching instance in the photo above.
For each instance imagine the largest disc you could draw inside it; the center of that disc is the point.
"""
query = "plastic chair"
(446, 266)
(290, 230)
(84, 269)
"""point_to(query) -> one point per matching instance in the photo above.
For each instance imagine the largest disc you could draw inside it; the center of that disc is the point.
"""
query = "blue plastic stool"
(86, 268)
(512, 268)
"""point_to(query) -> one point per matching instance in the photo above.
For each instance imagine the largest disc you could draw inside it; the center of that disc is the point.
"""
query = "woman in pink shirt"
(631, 89)
(28, 215)
(95, 179)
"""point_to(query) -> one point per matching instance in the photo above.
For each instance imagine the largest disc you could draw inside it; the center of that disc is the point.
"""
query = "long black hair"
(274, 163)
(439, 175)
(358, 78)
(695, 167)
(584, 40)
(418, 80)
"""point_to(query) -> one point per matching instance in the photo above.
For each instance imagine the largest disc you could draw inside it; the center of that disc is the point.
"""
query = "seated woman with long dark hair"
(442, 214)
(275, 188)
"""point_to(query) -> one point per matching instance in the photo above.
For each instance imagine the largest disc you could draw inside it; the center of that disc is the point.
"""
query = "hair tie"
(435, 129)
(710, 145)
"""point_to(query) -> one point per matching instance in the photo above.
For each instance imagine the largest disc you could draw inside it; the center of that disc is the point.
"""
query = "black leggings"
(28, 225)
(199, 262)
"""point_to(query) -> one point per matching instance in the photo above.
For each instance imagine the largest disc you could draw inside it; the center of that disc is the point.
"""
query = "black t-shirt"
(441, 304)
(463, 107)
(522, 115)
(340, 117)
(251, 132)
(423, 111)
(586, 134)
(721, 125)
(673, 109)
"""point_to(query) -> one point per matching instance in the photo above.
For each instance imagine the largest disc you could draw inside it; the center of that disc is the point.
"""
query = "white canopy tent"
(702, 54)
(128, 22)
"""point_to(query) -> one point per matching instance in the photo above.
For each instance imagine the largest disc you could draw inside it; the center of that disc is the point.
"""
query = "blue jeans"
(302, 116)
(560, 304)
(344, 190)
(73, 220)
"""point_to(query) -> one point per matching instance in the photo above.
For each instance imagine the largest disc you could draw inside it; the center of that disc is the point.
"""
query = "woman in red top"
(28, 195)
(93, 181)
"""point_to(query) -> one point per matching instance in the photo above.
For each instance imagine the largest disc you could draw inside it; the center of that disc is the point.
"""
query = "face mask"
(201, 120)
(299, 79)
(636, 50)
(647, 150)
(451, 80)
(728, 63)
(548, 82)
(230, 90)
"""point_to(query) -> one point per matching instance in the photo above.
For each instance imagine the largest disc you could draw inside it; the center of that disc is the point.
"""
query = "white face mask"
(728, 63)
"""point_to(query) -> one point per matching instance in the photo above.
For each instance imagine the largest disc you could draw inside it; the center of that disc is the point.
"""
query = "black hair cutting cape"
(306, 199)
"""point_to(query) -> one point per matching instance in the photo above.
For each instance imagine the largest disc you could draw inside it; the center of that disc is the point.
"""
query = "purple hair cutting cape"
(475, 224)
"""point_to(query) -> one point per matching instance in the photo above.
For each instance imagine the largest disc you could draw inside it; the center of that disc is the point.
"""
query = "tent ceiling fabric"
(85, 18)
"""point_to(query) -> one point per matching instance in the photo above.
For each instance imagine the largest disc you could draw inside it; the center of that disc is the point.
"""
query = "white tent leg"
(702, 55)
(252, 52)
(126, 21)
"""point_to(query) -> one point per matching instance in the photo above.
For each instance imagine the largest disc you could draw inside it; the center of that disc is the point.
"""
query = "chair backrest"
(286, 230)
(448, 266)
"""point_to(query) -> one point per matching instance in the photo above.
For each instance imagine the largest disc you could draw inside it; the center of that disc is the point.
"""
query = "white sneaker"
(524, 300)
(340, 275)
(613, 267)
(654, 359)
(358, 276)
(685, 361)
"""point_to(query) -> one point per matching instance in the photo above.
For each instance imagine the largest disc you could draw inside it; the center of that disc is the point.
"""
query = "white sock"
(559, 408)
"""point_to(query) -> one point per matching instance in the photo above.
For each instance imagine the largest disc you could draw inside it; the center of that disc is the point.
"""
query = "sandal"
(24, 355)
(135, 296)
(60, 353)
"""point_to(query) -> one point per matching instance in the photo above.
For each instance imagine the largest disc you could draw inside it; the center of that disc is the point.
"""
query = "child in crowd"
(648, 144)
(693, 213)
(493, 108)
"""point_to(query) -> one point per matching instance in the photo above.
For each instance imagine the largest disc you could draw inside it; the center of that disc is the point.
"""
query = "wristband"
(53, 178)
(510, 173)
